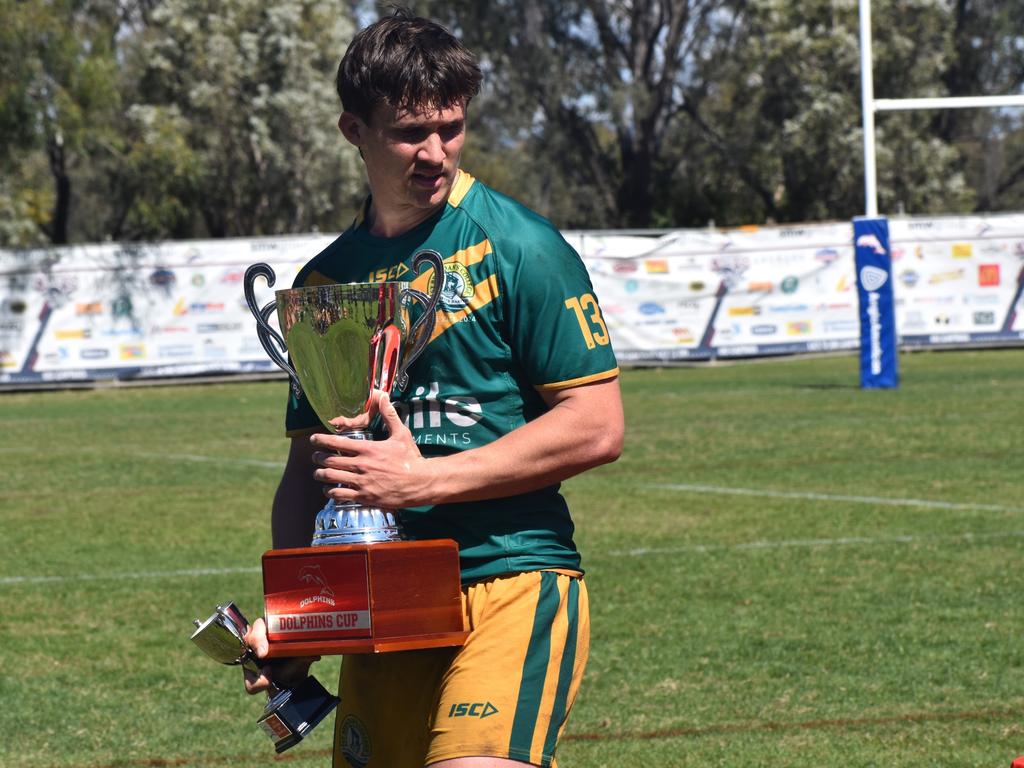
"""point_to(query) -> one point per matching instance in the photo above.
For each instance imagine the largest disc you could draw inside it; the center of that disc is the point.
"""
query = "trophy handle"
(423, 328)
(270, 339)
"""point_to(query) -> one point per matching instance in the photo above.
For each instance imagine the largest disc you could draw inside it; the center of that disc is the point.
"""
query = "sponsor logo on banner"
(74, 333)
(827, 255)
(843, 285)
(943, 319)
(89, 309)
(764, 329)
(762, 287)
(656, 266)
(632, 286)
(984, 300)
(962, 250)
(162, 278)
(121, 307)
(626, 267)
(909, 278)
(841, 326)
(872, 242)
(873, 278)
(197, 308)
(650, 308)
(232, 276)
(94, 353)
(198, 280)
(697, 286)
(984, 318)
(789, 284)
(788, 309)
(176, 350)
(946, 277)
(132, 351)
(744, 311)
(731, 267)
(12, 326)
(158, 329)
(13, 306)
(683, 335)
(913, 321)
(988, 275)
(798, 327)
(218, 327)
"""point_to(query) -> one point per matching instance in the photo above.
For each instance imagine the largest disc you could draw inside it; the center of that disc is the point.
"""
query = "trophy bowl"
(360, 587)
(345, 342)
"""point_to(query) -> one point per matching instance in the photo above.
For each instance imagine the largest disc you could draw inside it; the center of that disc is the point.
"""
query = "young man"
(516, 391)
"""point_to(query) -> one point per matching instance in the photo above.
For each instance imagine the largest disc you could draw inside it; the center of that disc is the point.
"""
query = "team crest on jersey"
(457, 289)
(355, 742)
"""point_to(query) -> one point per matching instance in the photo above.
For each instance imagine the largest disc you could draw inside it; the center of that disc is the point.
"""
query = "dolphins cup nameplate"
(359, 587)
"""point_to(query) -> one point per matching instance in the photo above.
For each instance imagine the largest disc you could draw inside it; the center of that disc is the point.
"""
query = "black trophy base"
(294, 712)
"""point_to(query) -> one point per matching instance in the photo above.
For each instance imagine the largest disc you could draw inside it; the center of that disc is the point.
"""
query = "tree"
(249, 86)
(59, 101)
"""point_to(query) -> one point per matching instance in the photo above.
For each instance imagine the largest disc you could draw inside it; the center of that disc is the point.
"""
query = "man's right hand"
(280, 672)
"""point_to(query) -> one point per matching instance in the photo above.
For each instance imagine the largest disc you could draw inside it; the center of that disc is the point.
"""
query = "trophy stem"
(352, 523)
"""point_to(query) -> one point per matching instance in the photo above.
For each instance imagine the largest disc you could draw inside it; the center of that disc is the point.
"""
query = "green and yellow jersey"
(517, 315)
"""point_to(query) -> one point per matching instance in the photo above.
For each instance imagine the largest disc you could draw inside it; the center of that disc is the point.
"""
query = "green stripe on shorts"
(565, 669)
(531, 686)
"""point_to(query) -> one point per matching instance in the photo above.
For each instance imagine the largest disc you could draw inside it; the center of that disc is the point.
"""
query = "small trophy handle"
(423, 328)
(270, 339)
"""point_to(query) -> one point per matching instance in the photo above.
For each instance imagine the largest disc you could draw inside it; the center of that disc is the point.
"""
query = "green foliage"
(750, 602)
(250, 84)
(150, 119)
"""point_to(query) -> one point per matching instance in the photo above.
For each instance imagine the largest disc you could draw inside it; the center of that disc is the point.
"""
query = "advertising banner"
(176, 309)
(878, 356)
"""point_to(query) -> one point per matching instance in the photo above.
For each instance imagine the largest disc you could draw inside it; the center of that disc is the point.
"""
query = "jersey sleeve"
(553, 316)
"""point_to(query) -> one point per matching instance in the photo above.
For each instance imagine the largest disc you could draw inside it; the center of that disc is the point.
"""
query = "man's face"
(411, 157)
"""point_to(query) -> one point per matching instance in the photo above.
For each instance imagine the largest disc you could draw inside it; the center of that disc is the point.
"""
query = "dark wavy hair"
(408, 63)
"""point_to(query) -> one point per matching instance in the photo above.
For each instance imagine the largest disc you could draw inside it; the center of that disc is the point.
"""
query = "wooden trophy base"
(362, 598)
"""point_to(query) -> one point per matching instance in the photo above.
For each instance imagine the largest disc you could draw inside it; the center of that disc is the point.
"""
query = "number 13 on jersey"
(588, 315)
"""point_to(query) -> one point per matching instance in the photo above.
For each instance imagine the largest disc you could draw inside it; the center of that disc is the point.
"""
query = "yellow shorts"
(506, 693)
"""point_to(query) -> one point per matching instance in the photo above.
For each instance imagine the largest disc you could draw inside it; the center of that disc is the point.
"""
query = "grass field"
(784, 570)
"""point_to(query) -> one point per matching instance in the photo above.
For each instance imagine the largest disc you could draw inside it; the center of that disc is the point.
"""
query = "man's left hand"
(383, 473)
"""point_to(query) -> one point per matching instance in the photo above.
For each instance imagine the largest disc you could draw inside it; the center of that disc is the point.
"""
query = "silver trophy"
(346, 342)
(291, 713)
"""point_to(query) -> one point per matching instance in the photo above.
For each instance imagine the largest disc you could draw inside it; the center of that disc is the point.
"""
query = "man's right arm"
(298, 499)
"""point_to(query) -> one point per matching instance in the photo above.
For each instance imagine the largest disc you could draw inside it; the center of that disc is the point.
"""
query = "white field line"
(126, 576)
(966, 537)
(873, 500)
(278, 465)
(845, 541)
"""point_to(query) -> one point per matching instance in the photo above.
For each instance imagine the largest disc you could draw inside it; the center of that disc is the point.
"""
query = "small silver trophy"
(346, 342)
(291, 713)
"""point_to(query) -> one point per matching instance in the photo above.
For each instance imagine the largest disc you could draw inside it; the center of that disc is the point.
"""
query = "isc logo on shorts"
(481, 710)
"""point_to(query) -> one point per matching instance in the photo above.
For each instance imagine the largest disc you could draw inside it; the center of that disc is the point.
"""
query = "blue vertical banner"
(873, 261)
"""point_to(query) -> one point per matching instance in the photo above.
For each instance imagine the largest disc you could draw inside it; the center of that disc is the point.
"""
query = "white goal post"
(871, 105)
